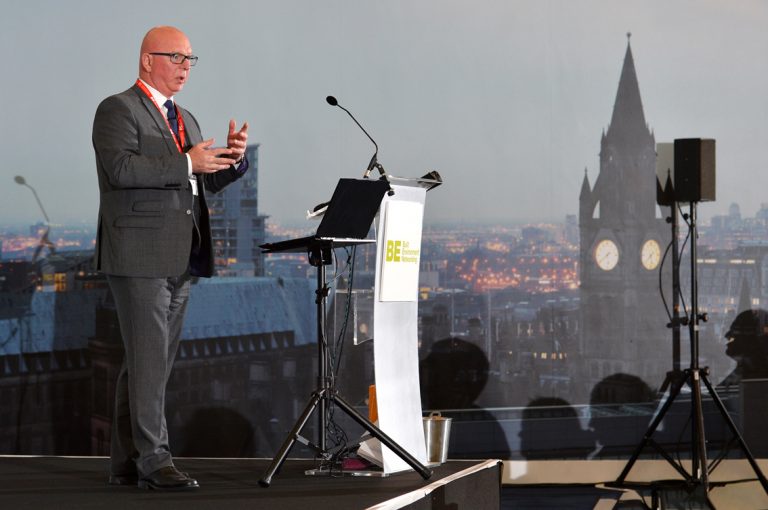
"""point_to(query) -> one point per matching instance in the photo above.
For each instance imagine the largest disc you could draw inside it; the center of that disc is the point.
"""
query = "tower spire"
(628, 117)
(586, 189)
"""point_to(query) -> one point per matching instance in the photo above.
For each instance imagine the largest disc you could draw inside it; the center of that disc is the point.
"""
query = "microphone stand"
(374, 163)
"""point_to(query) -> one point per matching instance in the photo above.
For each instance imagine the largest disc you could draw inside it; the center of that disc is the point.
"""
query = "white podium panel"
(395, 316)
(401, 250)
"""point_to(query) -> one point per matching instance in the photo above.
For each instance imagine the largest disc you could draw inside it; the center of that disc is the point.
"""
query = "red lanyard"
(182, 131)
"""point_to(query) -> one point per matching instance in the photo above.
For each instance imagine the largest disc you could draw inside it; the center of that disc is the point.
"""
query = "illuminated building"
(237, 229)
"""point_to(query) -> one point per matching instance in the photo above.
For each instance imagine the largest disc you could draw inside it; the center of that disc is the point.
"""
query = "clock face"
(606, 254)
(650, 255)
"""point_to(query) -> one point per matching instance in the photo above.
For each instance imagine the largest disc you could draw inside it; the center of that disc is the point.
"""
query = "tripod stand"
(325, 394)
(694, 376)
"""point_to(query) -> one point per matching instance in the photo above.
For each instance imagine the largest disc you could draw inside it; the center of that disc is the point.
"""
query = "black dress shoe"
(129, 479)
(168, 479)
(124, 479)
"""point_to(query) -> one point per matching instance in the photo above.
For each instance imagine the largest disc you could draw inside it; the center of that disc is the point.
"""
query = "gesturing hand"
(237, 140)
(207, 159)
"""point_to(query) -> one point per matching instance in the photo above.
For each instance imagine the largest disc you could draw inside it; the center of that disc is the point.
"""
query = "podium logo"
(400, 251)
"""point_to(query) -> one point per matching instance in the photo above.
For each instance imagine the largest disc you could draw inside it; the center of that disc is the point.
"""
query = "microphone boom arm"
(374, 163)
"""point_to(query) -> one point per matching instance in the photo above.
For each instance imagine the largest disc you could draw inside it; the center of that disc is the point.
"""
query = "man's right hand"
(207, 160)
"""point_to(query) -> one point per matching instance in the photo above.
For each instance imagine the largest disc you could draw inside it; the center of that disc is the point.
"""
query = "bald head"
(157, 37)
(158, 70)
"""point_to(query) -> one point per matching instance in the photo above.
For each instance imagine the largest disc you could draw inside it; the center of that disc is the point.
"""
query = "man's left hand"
(237, 140)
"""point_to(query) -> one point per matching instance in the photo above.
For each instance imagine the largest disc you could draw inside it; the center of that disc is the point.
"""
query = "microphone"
(374, 163)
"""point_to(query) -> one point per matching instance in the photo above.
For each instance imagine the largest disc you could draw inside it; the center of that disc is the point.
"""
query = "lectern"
(395, 320)
(346, 222)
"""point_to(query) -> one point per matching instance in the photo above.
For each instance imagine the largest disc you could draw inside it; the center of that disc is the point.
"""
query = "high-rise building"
(237, 228)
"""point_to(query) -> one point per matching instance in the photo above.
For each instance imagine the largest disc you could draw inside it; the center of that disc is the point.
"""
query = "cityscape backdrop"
(542, 328)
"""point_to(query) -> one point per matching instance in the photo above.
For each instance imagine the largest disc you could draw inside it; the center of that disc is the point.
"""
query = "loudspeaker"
(694, 170)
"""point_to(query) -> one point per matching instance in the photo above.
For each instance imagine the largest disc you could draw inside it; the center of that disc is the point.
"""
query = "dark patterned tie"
(173, 120)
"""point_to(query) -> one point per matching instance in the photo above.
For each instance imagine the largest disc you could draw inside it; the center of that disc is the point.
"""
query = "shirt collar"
(159, 98)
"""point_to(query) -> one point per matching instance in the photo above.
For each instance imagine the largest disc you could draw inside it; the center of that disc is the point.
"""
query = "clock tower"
(623, 238)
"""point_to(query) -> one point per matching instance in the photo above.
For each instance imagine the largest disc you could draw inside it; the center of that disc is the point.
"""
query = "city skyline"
(506, 100)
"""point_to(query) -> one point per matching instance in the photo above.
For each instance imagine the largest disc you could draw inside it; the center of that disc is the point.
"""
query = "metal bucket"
(437, 433)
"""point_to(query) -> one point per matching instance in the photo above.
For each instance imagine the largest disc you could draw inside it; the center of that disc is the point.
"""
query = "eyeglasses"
(179, 58)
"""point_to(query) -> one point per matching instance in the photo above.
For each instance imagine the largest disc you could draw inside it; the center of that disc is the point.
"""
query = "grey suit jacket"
(145, 212)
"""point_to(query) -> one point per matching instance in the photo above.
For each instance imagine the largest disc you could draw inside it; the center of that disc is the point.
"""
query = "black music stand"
(346, 222)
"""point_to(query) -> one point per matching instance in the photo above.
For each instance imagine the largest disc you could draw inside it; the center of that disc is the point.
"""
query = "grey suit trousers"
(151, 312)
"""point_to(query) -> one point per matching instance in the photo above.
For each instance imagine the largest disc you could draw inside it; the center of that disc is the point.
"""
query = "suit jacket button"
(189, 211)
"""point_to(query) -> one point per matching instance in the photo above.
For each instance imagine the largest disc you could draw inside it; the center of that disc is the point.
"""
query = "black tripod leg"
(676, 387)
(672, 377)
(736, 433)
(376, 432)
(290, 440)
(699, 469)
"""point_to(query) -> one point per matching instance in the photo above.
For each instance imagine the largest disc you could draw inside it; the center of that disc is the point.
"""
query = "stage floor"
(80, 483)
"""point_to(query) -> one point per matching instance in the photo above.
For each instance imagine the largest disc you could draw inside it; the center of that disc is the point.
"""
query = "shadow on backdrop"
(217, 432)
(551, 429)
(748, 347)
(744, 389)
(453, 376)
(621, 407)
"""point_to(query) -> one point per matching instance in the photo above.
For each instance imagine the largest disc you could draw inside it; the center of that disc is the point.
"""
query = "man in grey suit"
(154, 169)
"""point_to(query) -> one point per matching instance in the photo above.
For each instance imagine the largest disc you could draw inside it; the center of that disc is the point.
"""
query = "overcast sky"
(506, 99)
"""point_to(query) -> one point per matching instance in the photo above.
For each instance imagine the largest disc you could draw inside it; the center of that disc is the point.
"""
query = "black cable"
(661, 280)
(680, 258)
(688, 422)
(334, 433)
(333, 359)
(350, 284)
(337, 273)
(330, 345)
(683, 215)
